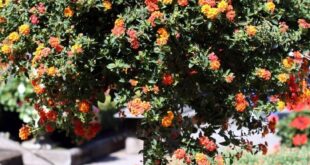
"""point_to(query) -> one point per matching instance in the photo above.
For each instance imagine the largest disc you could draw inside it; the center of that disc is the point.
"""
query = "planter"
(10, 157)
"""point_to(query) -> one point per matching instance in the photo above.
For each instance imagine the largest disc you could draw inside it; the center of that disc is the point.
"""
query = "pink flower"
(179, 153)
(303, 24)
(133, 39)
(213, 57)
(45, 52)
(283, 27)
(41, 8)
(34, 19)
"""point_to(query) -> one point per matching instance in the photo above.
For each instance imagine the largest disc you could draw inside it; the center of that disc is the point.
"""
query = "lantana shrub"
(228, 60)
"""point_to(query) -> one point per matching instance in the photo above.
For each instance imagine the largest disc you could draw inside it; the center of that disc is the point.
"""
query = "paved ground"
(119, 158)
(122, 158)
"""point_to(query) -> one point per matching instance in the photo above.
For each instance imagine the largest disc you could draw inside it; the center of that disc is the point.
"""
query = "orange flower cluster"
(138, 107)
(251, 31)
(183, 2)
(133, 82)
(24, 132)
(163, 36)
(240, 102)
(84, 106)
(167, 120)
(68, 12)
(38, 88)
(147, 89)
(263, 74)
(230, 78)
(181, 154)
(214, 61)
(119, 27)
(207, 143)
(55, 43)
(156, 15)
(151, 5)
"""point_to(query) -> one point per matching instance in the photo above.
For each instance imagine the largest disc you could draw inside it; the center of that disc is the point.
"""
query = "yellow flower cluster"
(270, 6)
(213, 12)
(6, 49)
(283, 77)
(24, 29)
(7, 46)
(107, 5)
(280, 105)
(163, 36)
(4, 3)
(288, 63)
(52, 71)
(251, 30)
(166, 2)
(76, 49)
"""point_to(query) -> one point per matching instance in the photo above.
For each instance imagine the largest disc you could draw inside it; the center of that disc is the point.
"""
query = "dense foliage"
(235, 60)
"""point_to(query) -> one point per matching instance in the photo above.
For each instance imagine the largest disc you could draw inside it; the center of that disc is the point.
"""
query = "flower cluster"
(167, 120)
(208, 144)
(212, 10)
(240, 102)
(138, 107)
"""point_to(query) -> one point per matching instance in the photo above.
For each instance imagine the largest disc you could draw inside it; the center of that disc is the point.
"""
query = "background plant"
(294, 130)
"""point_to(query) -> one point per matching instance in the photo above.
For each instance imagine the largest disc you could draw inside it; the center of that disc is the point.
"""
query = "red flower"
(300, 123)
(49, 128)
(54, 42)
(51, 115)
(167, 79)
(300, 139)
(207, 143)
(263, 148)
(273, 119)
